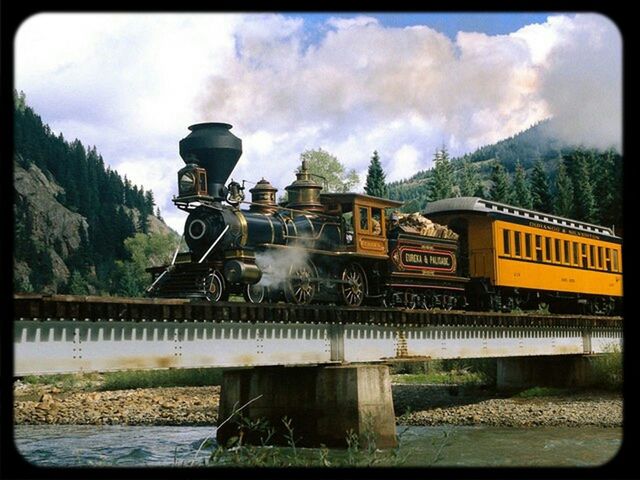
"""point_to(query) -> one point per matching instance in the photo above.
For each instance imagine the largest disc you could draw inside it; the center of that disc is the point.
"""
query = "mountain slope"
(588, 170)
(72, 214)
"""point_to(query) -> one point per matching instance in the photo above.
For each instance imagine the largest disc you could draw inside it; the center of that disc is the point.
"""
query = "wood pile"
(417, 223)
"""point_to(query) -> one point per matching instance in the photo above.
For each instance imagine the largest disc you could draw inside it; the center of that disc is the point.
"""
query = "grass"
(66, 382)
(542, 392)
(129, 379)
(452, 377)
(462, 372)
(188, 377)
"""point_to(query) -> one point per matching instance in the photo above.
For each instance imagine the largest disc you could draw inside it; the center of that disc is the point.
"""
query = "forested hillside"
(74, 216)
(531, 169)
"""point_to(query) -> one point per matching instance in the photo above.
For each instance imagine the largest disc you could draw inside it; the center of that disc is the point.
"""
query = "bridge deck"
(56, 334)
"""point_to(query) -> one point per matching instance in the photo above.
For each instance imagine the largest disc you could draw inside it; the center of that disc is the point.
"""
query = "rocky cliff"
(52, 228)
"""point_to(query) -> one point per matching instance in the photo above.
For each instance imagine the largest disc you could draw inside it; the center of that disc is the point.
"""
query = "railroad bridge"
(332, 348)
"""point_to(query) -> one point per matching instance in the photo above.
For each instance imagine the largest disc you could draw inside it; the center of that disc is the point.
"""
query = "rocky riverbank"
(37, 404)
(414, 405)
(594, 408)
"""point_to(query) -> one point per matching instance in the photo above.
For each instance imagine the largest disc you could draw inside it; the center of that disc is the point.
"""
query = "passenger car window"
(506, 245)
(547, 248)
(538, 248)
(516, 239)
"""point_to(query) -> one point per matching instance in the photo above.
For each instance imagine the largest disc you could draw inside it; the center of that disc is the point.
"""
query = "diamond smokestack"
(216, 149)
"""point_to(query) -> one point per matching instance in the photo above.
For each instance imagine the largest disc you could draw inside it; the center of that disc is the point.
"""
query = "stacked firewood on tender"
(416, 223)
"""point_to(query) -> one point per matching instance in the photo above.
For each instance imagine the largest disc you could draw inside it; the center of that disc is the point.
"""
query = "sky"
(404, 84)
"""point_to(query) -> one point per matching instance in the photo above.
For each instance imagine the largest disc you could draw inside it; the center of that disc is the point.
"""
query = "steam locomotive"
(347, 249)
(316, 247)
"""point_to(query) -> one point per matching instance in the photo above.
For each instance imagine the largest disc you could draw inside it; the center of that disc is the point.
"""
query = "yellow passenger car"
(519, 257)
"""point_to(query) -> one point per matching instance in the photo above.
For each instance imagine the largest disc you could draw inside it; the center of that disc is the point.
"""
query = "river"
(129, 446)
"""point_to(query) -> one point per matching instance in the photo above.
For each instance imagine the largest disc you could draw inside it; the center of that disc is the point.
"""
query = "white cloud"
(132, 83)
(405, 161)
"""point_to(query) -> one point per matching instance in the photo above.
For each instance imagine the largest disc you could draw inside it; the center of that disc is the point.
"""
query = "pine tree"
(520, 193)
(540, 193)
(468, 180)
(563, 204)
(499, 191)
(607, 182)
(77, 285)
(480, 191)
(375, 183)
(442, 178)
(584, 201)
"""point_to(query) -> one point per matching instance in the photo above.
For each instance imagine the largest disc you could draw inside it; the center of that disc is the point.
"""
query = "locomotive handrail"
(214, 244)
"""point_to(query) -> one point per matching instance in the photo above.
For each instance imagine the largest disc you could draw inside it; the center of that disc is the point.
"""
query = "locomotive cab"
(363, 219)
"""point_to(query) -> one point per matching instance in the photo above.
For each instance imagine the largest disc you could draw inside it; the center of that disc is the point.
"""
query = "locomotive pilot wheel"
(213, 286)
(301, 284)
(354, 290)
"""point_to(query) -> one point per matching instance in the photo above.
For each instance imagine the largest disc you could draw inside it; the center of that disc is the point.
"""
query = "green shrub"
(607, 369)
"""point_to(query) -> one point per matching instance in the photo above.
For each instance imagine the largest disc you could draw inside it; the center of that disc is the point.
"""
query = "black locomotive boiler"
(316, 247)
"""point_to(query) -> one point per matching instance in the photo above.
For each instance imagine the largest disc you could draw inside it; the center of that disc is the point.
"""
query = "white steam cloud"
(276, 264)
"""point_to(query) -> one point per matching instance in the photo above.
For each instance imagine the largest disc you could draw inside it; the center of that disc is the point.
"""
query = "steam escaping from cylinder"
(277, 263)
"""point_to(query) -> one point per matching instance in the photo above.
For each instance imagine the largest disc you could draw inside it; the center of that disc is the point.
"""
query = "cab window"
(376, 221)
(364, 218)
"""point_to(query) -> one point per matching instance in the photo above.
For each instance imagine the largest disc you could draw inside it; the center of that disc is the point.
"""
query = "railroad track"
(95, 308)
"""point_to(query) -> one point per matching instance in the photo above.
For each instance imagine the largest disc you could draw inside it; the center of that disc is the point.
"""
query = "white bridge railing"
(63, 346)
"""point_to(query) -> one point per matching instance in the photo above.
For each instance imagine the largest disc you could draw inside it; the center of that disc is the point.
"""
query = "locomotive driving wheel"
(213, 286)
(354, 290)
(301, 285)
(255, 293)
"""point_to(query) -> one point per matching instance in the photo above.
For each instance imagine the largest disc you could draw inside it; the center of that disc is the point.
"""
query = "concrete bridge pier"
(323, 404)
(544, 371)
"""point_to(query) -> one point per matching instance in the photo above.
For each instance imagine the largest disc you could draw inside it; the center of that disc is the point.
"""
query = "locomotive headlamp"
(187, 182)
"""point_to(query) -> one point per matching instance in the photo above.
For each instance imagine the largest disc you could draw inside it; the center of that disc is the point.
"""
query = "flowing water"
(128, 446)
